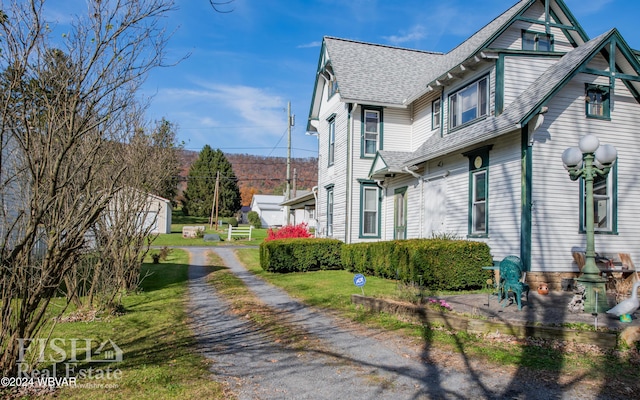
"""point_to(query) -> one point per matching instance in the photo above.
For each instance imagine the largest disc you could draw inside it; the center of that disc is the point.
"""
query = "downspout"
(349, 187)
(314, 190)
(526, 207)
(419, 178)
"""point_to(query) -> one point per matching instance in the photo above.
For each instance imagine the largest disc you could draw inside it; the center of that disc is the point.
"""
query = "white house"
(269, 209)
(302, 208)
(469, 142)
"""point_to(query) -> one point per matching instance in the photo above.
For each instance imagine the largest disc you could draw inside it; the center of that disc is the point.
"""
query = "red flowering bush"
(289, 232)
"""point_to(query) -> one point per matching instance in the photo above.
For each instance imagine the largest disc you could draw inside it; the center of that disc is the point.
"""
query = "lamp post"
(588, 161)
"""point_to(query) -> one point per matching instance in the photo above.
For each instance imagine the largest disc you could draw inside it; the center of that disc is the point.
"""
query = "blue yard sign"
(359, 280)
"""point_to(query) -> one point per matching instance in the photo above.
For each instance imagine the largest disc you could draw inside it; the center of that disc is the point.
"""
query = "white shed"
(269, 209)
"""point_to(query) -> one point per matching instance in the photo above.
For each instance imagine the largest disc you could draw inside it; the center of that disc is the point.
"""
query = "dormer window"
(537, 41)
(469, 103)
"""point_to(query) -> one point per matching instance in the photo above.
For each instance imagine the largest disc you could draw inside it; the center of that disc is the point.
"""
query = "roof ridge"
(384, 45)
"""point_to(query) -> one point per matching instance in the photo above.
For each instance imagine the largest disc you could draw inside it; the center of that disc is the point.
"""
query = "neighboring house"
(468, 143)
(302, 208)
(269, 209)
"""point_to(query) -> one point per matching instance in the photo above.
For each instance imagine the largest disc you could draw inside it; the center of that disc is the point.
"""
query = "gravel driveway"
(355, 363)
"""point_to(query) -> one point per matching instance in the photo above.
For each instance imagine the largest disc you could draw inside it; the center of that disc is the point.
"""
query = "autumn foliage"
(289, 232)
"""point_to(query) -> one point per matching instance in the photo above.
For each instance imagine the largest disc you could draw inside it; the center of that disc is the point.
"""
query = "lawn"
(159, 360)
(179, 220)
(332, 290)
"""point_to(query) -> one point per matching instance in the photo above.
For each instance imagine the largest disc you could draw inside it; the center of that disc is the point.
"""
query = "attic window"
(537, 41)
(332, 82)
(597, 101)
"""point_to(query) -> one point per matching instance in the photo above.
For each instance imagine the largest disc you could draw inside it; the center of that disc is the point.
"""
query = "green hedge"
(300, 255)
(434, 263)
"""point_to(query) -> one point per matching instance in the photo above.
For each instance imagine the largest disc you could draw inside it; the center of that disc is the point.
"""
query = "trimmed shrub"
(438, 264)
(254, 219)
(300, 255)
(231, 221)
(289, 232)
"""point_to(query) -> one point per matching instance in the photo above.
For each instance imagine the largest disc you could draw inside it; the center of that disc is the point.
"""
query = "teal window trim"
(612, 179)
(478, 196)
(331, 151)
(537, 41)
(366, 188)
(380, 135)
(400, 193)
(330, 204)
(499, 90)
(456, 117)
(436, 116)
(597, 101)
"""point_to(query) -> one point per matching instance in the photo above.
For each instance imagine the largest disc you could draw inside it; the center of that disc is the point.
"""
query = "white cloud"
(310, 45)
(416, 32)
(234, 117)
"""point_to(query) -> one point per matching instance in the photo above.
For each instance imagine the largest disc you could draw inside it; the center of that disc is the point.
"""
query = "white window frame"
(436, 111)
(476, 203)
(599, 197)
(367, 213)
(330, 202)
(371, 136)
(474, 96)
(332, 141)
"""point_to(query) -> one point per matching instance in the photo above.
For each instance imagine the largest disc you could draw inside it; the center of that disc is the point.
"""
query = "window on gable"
(604, 203)
(597, 101)
(370, 205)
(332, 140)
(333, 85)
(371, 132)
(537, 41)
(469, 103)
(435, 115)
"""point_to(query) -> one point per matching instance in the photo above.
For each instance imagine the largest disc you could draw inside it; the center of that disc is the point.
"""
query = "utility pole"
(295, 177)
(214, 206)
(290, 122)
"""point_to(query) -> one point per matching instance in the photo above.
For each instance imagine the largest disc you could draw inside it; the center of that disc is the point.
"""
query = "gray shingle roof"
(375, 73)
(378, 74)
(513, 116)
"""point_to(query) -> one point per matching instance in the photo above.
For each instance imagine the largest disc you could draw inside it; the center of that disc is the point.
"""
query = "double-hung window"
(371, 131)
(597, 101)
(478, 191)
(469, 103)
(370, 205)
(537, 41)
(435, 114)
(329, 210)
(332, 140)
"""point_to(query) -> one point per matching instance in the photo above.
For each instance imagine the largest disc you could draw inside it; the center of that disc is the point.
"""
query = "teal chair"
(511, 271)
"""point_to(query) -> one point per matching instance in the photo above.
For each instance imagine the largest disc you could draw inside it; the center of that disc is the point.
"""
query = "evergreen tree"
(201, 185)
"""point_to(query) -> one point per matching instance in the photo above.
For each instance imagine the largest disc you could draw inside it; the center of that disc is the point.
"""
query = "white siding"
(521, 72)
(556, 198)
(422, 120)
(512, 37)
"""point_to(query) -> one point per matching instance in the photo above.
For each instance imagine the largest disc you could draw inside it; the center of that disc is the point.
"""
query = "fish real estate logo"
(69, 360)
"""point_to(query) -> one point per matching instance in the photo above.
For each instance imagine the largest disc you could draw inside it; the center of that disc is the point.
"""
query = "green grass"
(332, 290)
(159, 359)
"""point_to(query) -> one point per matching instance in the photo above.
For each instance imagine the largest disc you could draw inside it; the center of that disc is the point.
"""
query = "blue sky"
(244, 66)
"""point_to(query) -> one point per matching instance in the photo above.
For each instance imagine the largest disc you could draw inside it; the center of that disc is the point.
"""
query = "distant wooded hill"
(260, 174)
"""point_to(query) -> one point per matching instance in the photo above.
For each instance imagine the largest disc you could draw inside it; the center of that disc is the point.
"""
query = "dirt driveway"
(354, 363)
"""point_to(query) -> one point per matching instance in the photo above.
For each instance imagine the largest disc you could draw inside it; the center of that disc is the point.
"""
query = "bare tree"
(65, 102)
